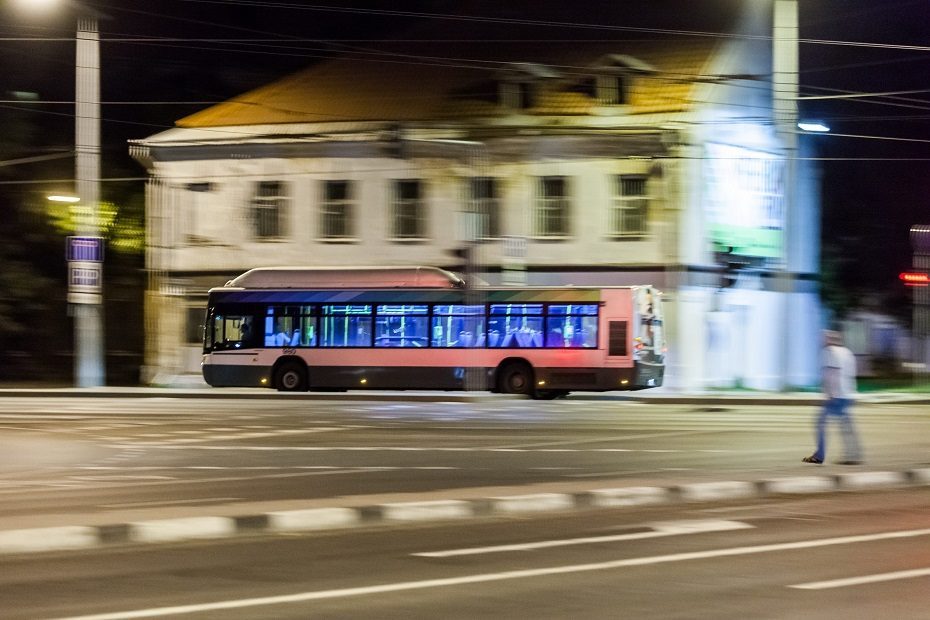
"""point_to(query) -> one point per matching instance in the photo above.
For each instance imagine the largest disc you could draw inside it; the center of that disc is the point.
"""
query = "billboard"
(744, 200)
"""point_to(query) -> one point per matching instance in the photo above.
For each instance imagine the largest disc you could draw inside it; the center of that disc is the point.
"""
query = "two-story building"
(649, 160)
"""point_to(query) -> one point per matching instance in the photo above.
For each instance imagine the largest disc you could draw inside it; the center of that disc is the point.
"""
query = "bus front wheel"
(516, 378)
(291, 377)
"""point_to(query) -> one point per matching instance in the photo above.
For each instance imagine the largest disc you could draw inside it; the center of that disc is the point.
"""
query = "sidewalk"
(197, 389)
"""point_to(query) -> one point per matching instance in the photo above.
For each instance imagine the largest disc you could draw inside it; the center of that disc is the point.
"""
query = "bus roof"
(346, 277)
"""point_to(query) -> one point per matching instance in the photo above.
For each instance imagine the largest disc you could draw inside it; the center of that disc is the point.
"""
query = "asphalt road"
(846, 555)
(833, 555)
(61, 457)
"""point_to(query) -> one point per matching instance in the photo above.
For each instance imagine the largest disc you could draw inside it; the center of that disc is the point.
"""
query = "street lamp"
(89, 366)
(814, 126)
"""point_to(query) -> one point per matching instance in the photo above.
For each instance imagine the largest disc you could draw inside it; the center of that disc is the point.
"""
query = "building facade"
(625, 163)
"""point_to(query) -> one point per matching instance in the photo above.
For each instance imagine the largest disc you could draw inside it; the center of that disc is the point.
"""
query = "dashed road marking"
(864, 579)
(658, 530)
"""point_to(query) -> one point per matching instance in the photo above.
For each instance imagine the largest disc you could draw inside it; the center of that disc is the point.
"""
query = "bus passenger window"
(458, 326)
(571, 326)
(402, 325)
(346, 326)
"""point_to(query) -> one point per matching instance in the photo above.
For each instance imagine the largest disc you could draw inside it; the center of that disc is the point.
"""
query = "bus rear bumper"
(647, 375)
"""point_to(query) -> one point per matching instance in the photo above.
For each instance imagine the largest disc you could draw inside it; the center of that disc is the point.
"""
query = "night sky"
(875, 186)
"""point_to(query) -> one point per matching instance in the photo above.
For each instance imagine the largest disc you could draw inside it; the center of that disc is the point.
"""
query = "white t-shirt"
(839, 372)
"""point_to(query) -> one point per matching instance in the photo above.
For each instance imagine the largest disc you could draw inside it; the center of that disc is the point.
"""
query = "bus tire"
(291, 377)
(516, 378)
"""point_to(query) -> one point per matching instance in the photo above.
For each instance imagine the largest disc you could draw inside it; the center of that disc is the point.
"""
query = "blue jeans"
(839, 408)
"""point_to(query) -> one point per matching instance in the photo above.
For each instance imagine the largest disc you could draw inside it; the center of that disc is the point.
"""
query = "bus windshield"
(649, 330)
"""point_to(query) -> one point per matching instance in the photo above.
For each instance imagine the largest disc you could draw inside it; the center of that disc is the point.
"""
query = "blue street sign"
(85, 249)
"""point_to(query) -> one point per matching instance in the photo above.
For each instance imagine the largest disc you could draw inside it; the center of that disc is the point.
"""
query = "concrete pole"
(785, 107)
(89, 365)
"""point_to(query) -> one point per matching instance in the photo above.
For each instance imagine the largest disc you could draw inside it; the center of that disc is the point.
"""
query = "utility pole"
(920, 335)
(785, 107)
(89, 367)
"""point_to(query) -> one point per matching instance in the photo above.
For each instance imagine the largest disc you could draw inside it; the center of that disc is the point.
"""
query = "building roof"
(407, 82)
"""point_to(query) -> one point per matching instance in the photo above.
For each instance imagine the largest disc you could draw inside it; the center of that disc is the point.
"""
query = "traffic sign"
(88, 249)
(85, 282)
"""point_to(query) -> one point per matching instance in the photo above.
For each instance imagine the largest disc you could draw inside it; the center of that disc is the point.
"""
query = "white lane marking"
(659, 530)
(249, 435)
(856, 581)
(176, 502)
(119, 478)
(302, 597)
(187, 444)
(255, 467)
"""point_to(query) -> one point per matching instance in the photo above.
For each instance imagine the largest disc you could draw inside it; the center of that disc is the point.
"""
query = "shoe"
(850, 462)
(812, 459)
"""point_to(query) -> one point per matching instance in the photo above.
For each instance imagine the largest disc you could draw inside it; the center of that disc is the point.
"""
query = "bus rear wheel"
(291, 377)
(516, 378)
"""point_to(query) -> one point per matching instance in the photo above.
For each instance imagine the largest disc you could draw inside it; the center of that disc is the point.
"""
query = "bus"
(408, 328)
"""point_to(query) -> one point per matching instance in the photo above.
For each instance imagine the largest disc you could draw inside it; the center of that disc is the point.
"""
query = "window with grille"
(518, 95)
(611, 89)
(269, 205)
(483, 200)
(408, 213)
(337, 210)
(629, 207)
(552, 207)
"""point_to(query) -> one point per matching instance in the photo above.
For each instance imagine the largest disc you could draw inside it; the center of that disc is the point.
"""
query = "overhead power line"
(860, 95)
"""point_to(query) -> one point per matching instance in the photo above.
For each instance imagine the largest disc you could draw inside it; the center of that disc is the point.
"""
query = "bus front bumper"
(218, 375)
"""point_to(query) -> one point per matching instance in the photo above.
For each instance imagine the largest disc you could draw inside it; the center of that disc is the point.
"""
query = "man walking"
(839, 387)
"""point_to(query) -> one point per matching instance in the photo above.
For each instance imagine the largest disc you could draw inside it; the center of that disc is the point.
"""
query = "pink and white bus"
(298, 329)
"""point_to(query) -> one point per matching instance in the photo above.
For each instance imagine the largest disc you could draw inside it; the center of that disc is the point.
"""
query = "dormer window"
(611, 78)
(519, 84)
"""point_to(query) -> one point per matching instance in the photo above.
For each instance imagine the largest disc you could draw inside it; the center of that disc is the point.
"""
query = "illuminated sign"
(915, 278)
(744, 200)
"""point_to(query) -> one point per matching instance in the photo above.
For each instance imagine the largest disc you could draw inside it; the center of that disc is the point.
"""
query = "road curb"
(732, 399)
(83, 537)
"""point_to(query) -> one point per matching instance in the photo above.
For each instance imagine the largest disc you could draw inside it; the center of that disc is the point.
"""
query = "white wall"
(221, 224)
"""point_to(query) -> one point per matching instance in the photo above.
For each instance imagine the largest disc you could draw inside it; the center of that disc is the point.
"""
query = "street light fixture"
(814, 126)
(63, 198)
(89, 366)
